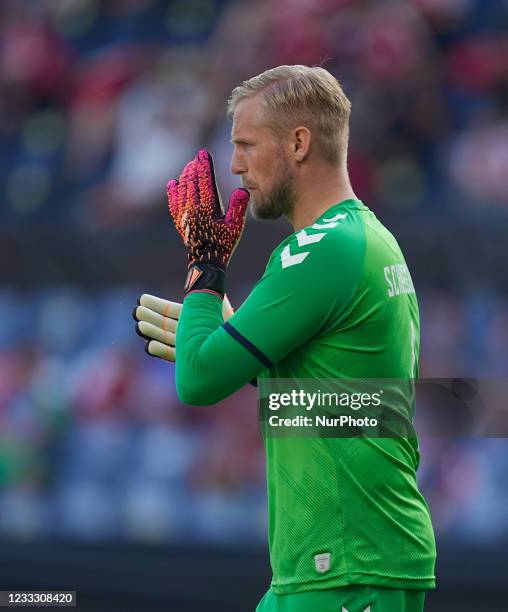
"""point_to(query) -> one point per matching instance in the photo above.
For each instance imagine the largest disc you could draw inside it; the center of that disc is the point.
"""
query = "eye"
(242, 143)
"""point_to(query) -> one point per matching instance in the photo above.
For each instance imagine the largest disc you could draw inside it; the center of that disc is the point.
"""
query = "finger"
(152, 332)
(208, 184)
(176, 191)
(189, 168)
(160, 350)
(163, 307)
(138, 331)
(173, 201)
(237, 209)
(192, 200)
(150, 316)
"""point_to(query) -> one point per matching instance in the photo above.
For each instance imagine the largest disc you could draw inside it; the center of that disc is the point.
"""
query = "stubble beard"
(281, 199)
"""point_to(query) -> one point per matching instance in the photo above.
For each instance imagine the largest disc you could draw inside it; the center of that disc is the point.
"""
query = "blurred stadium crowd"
(100, 103)
(95, 444)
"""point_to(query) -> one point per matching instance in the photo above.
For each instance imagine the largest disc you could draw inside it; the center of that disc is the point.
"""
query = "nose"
(237, 163)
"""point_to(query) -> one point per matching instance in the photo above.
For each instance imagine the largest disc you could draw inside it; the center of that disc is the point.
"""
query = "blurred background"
(108, 484)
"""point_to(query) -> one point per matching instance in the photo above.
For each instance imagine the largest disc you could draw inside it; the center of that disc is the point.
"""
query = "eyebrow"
(238, 141)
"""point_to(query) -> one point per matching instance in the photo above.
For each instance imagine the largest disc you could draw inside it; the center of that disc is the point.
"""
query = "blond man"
(348, 528)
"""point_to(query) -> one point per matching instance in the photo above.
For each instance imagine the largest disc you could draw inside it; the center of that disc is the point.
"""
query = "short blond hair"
(302, 95)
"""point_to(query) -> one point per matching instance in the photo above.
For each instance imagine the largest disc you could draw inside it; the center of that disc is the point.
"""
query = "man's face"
(261, 160)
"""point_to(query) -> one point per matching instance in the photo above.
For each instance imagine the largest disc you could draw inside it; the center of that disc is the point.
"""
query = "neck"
(317, 195)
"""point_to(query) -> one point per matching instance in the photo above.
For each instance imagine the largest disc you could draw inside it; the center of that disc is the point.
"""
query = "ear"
(301, 143)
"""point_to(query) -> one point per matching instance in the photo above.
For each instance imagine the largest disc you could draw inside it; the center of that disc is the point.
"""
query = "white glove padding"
(157, 320)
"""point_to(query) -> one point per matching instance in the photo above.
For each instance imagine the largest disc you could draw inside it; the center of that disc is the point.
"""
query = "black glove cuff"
(206, 277)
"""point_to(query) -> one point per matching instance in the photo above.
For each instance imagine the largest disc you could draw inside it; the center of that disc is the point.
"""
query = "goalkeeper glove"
(157, 320)
(209, 235)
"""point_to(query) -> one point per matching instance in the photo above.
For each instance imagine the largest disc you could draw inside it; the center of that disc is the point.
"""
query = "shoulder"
(337, 237)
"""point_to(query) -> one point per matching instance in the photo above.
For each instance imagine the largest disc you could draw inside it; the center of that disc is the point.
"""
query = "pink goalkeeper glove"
(209, 236)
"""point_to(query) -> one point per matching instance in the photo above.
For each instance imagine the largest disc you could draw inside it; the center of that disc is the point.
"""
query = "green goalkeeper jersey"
(336, 302)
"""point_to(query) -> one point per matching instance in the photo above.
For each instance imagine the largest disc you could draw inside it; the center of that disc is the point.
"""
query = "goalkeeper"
(348, 527)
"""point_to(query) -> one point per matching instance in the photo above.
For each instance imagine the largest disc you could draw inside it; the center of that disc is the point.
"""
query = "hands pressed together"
(210, 237)
(157, 320)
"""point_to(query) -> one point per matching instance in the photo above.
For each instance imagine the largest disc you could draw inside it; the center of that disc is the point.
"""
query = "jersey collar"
(350, 204)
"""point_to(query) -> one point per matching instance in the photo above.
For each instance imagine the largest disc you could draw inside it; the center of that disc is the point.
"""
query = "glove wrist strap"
(206, 277)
